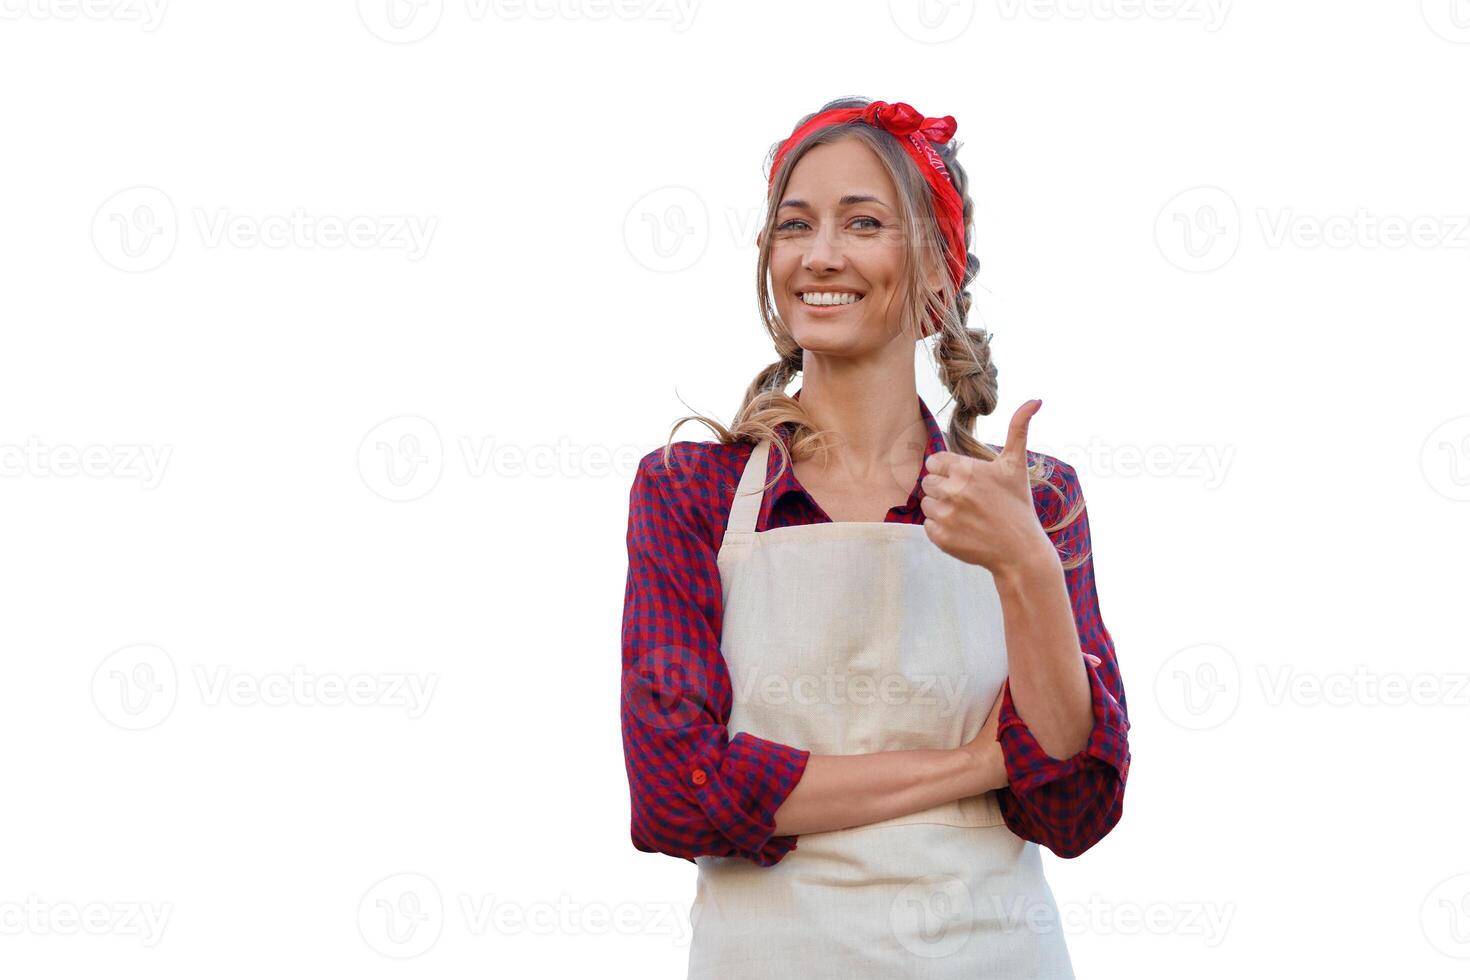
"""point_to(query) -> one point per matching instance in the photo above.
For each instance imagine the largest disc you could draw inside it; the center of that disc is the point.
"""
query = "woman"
(860, 715)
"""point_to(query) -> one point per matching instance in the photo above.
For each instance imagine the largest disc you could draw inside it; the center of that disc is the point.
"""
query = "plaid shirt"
(697, 791)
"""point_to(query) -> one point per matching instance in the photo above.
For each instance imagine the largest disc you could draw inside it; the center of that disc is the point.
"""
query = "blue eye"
(786, 225)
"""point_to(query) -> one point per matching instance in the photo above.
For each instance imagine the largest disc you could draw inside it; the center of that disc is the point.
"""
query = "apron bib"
(855, 637)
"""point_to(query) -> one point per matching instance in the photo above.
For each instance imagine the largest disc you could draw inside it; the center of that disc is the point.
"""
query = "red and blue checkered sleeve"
(694, 790)
(1068, 805)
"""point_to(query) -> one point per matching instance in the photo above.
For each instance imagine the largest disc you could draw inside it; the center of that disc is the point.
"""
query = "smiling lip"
(823, 310)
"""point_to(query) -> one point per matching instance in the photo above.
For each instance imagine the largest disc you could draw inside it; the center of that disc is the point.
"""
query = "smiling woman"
(787, 622)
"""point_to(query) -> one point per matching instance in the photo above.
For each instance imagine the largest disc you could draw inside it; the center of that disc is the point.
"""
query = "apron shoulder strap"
(748, 495)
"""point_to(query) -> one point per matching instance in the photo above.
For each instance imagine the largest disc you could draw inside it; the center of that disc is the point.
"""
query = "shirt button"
(699, 776)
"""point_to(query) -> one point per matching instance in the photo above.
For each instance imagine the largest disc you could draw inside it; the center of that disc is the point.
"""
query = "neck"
(873, 422)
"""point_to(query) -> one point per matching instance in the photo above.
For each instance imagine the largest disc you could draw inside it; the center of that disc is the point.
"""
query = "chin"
(824, 339)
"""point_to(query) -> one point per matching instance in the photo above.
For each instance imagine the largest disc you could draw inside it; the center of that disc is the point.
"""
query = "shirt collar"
(788, 483)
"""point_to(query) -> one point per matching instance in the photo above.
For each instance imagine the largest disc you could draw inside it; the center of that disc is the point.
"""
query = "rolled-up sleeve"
(694, 790)
(1070, 804)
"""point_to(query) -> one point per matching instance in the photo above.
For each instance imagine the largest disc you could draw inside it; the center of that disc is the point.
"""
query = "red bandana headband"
(915, 131)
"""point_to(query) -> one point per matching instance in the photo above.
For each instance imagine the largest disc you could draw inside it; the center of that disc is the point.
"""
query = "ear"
(760, 238)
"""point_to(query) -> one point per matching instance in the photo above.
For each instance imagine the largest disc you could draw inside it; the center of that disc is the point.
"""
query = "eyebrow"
(847, 199)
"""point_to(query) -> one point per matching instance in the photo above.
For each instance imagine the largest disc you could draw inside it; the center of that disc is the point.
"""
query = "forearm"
(840, 791)
(1048, 680)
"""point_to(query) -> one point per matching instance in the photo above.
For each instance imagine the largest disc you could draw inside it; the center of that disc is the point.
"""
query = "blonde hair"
(962, 353)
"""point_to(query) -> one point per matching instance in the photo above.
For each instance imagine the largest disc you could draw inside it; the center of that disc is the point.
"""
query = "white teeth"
(829, 299)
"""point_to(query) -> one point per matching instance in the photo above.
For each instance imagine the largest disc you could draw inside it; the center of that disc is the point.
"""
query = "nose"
(823, 254)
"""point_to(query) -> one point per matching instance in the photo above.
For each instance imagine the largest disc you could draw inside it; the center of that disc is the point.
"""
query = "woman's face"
(838, 231)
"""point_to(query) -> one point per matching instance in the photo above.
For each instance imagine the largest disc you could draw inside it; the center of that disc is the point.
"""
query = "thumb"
(1020, 429)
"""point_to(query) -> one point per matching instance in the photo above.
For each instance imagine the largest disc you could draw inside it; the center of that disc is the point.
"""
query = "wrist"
(985, 767)
(1036, 564)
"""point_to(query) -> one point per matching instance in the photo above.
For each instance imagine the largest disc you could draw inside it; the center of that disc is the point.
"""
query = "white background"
(1226, 242)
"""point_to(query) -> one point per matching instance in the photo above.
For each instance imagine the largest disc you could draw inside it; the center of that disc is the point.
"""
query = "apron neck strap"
(748, 495)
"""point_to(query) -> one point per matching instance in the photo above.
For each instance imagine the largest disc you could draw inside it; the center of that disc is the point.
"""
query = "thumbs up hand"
(981, 511)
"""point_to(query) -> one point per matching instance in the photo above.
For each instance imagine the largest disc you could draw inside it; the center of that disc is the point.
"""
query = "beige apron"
(854, 637)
